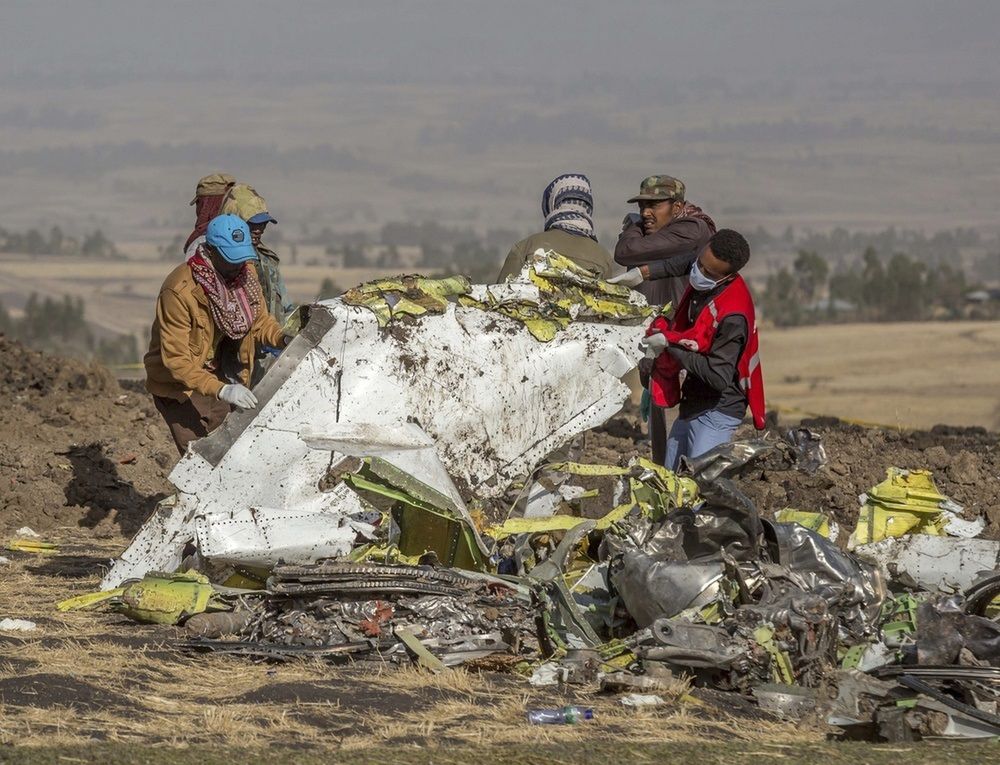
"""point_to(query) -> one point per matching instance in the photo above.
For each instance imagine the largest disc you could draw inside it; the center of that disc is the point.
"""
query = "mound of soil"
(77, 449)
(965, 463)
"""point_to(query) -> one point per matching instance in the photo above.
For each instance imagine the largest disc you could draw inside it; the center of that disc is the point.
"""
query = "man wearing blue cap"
(244, 201)
(210, 314)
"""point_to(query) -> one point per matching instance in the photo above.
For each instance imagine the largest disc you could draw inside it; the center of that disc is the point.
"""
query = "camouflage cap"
(213, 185)
(660, 187)
(243, 200)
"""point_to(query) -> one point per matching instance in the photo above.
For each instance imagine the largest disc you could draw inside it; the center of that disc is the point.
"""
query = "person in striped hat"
(568, 209)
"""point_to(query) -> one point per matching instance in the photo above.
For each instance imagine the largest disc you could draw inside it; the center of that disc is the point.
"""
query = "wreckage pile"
(406, 515)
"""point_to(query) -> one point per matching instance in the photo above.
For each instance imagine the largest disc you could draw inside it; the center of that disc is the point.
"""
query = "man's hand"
(653, 345)
(239, 396)
(631, 278)
(632, 219)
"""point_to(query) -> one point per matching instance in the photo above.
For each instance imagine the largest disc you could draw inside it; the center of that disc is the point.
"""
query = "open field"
(358, 153)
(914, 375)
(121, 294)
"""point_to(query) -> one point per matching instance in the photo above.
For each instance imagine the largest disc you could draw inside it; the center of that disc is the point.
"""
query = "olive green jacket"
(582, 250)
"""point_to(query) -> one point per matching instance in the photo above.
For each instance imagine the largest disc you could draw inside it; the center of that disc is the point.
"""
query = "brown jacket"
(183, 338)
(582, 250)
(678, 238)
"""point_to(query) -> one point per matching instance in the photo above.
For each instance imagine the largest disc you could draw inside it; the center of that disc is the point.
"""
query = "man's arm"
(267, 331)
(680, 237)
(717, 367)
(287, 304)
(677, 265)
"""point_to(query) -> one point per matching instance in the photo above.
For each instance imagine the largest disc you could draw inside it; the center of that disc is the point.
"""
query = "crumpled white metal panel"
(933, 562)
(265, 536)
(492, 399)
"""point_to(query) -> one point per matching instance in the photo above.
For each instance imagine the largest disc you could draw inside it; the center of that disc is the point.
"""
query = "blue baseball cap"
(264, 217)
(230, 235)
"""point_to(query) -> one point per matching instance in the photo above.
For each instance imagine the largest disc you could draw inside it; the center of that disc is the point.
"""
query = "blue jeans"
(694, 437)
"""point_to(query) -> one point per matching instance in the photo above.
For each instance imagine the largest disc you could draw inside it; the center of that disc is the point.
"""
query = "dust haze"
(812, 114)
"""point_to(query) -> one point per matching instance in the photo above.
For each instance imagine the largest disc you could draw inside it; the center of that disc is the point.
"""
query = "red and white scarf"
(234, 304)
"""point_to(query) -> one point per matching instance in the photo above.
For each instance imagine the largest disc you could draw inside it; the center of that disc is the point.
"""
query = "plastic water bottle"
(564, 716)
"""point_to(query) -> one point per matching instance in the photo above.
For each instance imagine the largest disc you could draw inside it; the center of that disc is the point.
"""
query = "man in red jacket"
(718, 374)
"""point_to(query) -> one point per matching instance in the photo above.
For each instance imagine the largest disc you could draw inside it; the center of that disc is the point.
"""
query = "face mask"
(699, 281)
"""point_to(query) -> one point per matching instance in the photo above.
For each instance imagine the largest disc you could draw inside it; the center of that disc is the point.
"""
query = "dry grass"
(903, 375)
(88, 677)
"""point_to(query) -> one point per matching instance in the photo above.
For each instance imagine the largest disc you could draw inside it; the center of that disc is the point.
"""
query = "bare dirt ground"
(77, 449)
(83, 461)
(908, 374)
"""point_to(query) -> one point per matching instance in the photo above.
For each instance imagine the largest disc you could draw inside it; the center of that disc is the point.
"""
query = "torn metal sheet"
(787, 701)
(652, 589)
(933, 562)
(909, 502)
(945, 631)
(820, 568)
(807, 447)
(552, 291)
(263, 536)
(818, 522)
(725, 460)
(454, 376)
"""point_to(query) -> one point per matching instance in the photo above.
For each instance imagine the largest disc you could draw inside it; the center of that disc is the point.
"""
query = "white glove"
(239, 396)
(653, 345)
(631, 278)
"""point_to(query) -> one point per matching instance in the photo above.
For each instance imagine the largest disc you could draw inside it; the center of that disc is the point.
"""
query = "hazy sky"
(141, 40)
(805, 112)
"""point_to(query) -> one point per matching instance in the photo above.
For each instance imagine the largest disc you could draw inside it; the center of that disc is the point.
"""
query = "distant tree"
(781, 301)
(34, 243)
(329, 289)
(174, 249)
(389, 258)
(481, 264)
(811, 272)
(946, 288)
(97, 245)
(121, 349)
(873, 281)
(56, 240)
(354, 257)
(987, 267)
(847, 286)
(905, 297)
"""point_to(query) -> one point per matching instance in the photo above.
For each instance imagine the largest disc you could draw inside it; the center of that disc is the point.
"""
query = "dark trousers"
(660, 422)
(192, 418)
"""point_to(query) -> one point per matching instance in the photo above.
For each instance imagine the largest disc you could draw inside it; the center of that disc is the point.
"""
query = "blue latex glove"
(645, 405)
